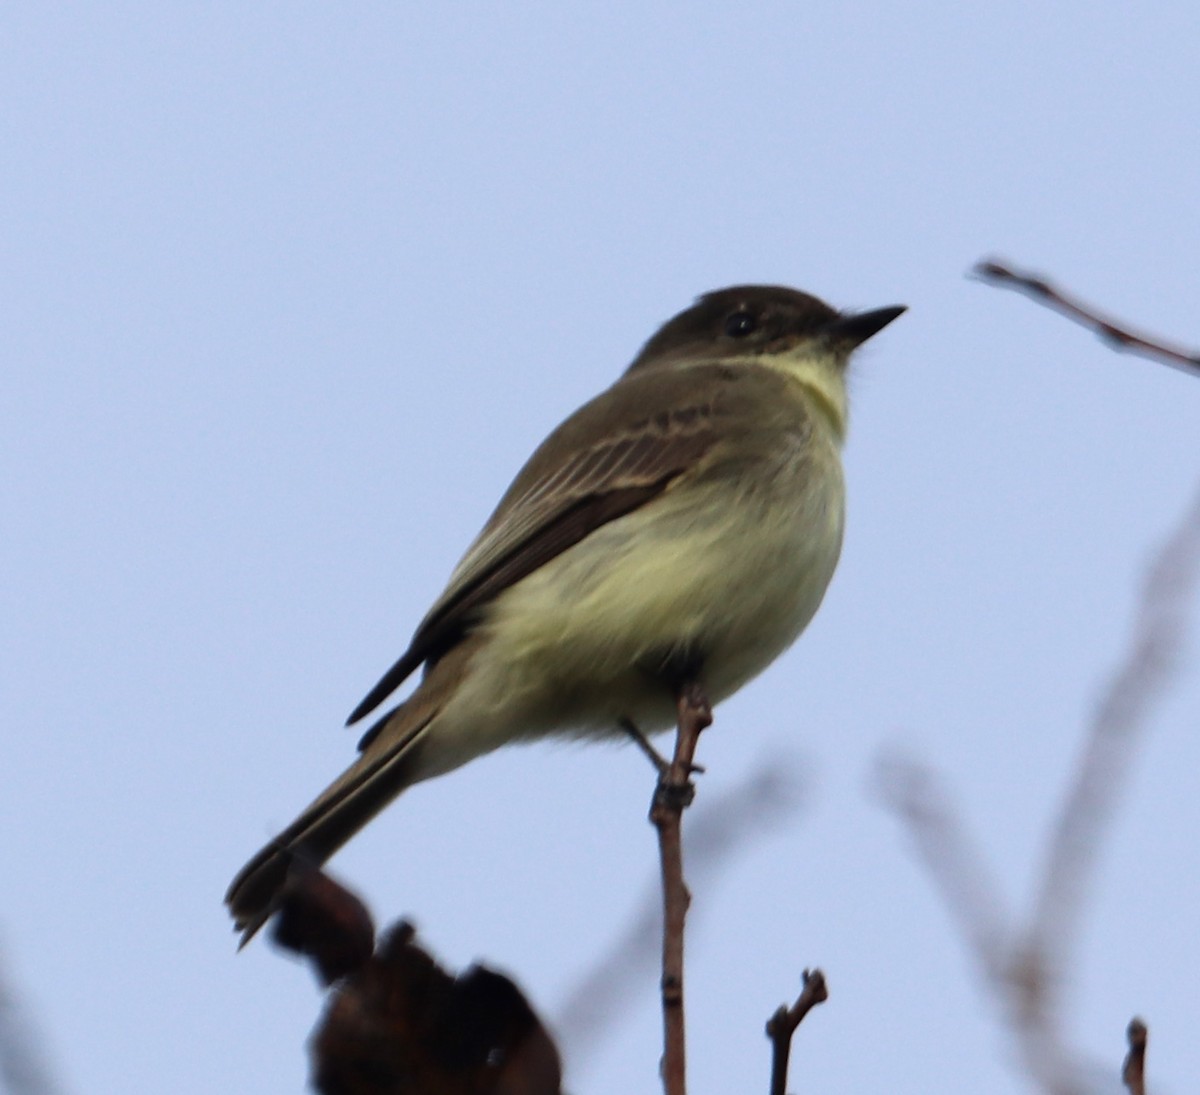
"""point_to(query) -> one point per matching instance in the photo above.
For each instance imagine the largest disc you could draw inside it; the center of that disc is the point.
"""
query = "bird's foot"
(661, 764)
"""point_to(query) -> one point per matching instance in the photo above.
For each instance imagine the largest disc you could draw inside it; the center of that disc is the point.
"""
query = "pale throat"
(822, 375)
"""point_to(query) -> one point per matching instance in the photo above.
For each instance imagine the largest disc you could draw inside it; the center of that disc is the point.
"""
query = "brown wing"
(612, 456)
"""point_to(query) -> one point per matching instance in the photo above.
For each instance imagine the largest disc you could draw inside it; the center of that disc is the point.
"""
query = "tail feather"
(356, 796)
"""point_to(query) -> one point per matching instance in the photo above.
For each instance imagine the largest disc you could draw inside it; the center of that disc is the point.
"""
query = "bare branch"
(1118, 337)
(755, 807)
(782, 1025)
(671, 797)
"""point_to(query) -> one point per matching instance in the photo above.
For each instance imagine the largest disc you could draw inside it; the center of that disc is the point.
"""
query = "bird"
(683, 525)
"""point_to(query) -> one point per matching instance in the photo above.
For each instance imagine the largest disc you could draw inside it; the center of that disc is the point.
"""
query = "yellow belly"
(728, 569)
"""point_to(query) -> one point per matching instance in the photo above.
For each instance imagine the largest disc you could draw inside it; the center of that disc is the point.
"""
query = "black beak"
(855, 328)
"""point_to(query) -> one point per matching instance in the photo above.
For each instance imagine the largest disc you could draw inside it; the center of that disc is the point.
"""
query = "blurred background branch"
(22, 1058)
(395, 1021)
(1027, 965)
(1133, 1073)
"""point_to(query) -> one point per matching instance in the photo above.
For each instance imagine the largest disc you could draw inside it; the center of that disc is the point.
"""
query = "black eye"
(740, 324)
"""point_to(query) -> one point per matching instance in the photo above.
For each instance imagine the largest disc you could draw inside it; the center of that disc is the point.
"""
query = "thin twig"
(1115, 335)
(1134, 1071)
(782, 1025)
(750, 810)
(671, 797)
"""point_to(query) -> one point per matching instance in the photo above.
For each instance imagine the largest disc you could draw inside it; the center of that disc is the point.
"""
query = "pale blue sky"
(288, 295)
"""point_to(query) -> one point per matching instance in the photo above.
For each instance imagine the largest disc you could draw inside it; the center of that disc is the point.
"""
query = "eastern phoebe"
(685, 522)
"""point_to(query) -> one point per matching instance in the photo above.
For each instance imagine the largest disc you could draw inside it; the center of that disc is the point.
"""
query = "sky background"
(290, 292)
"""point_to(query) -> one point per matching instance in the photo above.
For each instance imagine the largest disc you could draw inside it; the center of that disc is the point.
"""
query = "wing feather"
(602, 463)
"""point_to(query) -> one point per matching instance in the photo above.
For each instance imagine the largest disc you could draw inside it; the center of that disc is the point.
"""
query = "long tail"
(385, 769)
(390, 761)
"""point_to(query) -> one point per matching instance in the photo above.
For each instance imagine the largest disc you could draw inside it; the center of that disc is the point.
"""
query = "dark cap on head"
(748, 319)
